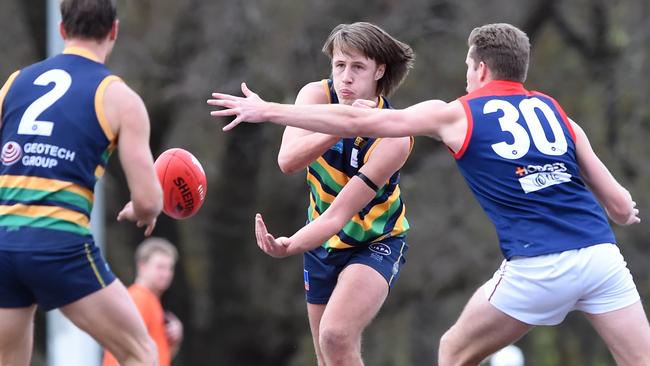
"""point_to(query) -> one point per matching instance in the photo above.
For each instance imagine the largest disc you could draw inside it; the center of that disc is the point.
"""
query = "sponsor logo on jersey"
(536, 177)
(35, 154)
(380, 248)
(354, 158)
(338, 147)
(11, 153)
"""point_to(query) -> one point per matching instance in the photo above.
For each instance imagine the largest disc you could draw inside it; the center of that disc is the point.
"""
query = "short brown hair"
(88, 19)
(377, 45)
(155, 245)
(504, 48)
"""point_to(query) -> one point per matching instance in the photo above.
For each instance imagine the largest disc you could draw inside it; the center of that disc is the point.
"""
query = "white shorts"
(542, 290)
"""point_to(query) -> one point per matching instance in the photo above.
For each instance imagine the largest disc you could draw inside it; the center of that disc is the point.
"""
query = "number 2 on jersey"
(521, 143)
(29, 125)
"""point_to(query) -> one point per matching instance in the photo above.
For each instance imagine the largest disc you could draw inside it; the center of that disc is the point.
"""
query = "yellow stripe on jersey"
(326, 85)
(376, 211)
(336, 243)
(401, 223)
(99, 171)
(380, 105)
(337, 176)
(324, 196)
(83, 52)
(89, 256)
(54, 212)
(370, 149)
(99, 109)
(44, 184)
(312, 206)
(5, 88)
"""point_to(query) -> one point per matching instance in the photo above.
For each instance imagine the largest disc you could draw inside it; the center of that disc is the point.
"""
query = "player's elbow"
(287, 164)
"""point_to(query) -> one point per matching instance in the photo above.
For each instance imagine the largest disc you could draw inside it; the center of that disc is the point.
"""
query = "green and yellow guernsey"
(383, 217)
(56, 142)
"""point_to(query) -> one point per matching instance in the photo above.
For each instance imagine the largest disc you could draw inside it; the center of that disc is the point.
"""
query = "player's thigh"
(357, 297)
(16, 332)
(110, 316)
(482, 329)
(626, 333)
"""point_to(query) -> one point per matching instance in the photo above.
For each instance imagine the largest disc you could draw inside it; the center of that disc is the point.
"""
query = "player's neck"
(100, 50)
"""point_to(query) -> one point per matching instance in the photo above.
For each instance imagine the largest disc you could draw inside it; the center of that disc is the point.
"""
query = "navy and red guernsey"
(519, 159)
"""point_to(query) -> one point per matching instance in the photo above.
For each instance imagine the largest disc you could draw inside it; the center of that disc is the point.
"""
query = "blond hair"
(155, 245)
(376, 44)
(504, 48)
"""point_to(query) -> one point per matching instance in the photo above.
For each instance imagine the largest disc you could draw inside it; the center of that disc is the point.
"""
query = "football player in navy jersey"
(535, 174)
(355, 252)
(61, 119)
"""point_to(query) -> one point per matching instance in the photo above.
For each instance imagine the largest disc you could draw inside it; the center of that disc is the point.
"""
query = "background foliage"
(241, 307)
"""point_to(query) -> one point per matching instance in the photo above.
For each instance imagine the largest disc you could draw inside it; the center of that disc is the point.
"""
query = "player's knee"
(149, 351)
(447, 351)
(142, 352)
(336, 340)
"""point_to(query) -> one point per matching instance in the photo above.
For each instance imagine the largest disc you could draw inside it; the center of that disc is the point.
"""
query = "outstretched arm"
(388, 157)
(617, 200)
(300, 147)
(428, 118)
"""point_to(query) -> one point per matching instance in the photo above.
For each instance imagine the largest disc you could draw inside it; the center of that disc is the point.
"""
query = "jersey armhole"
(468, 134)
(99, 109)
(5, 88)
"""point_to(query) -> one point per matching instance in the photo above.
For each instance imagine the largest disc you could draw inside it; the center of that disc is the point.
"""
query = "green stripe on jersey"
(17, 221)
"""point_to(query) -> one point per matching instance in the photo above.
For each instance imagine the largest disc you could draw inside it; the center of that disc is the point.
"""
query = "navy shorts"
(322, 268)
(52, 278)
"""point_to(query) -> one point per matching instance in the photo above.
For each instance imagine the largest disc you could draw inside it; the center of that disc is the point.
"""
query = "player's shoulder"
(121, 96)
(314, 92)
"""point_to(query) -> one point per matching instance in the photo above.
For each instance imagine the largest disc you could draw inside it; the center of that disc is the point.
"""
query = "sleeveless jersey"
(55, 144)
(383, 217)
(519, 159)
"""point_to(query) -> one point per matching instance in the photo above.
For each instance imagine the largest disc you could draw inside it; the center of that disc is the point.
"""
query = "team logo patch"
(11, 153)
(306, 278)
(380, 248)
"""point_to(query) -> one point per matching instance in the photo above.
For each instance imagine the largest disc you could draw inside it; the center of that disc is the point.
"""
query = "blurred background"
(241, 307)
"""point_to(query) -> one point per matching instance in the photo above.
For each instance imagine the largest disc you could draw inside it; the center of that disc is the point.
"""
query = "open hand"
(245, 109)
(277, 248)
(127, 213)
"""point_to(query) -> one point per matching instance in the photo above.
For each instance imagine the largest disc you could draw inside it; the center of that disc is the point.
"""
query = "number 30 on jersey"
(521, 144)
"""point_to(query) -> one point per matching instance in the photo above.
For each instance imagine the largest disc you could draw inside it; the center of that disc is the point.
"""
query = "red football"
(183, 183)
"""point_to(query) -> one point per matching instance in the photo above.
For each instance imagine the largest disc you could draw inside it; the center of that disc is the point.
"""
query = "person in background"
(155, 261)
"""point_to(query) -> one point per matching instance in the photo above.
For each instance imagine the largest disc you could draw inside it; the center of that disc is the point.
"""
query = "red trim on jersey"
(565, 118)
(470, 126)
(499, 88)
